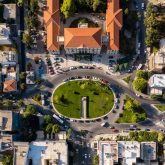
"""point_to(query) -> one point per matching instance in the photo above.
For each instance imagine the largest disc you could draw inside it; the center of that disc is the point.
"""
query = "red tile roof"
(82, 37)
(52, 24)
(9, 86)
(114, 22)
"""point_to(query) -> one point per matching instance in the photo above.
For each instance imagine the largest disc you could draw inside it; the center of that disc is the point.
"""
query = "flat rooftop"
(21, 151)
(108, 152)
(157, 80)
(6, 120)
(148, 150)
(52, 152)
(129, 151)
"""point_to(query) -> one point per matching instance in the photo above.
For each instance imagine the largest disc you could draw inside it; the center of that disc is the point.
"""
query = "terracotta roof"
(52, 24)
(9, 86)
(114, 22)
(82, 37)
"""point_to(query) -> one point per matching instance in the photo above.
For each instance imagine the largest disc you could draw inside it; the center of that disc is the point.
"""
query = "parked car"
(58, 59)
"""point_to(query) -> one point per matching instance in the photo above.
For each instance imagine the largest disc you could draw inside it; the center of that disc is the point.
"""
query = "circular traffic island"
(83, 99)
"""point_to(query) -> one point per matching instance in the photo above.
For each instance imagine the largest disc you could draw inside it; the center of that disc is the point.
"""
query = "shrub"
(77, 93)
(95, 93)
(140, 84)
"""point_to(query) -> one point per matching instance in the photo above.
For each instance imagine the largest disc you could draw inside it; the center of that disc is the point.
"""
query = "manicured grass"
(132, 112)
(161, 107)
(127, 79)
(67, 98)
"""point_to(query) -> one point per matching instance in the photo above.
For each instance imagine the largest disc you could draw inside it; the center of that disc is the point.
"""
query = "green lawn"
(132, 112)
(161, 107)
(67, 98)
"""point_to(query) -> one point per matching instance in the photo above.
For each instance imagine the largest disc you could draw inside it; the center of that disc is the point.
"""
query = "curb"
(83, 118)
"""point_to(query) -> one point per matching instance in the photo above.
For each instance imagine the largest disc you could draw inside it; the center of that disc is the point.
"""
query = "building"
(82, 40)
(9, 121)
(52, 25)
(128, 152)
(30, 77)
(6, 120)
(148, 151)
(157, 60)
(108, 152)
(42, 152)
(157, 84)
(6, 143)
(4, 35)
(9, 11)
(114, 22)
(48, 152)
(10, 80)
(21, 150)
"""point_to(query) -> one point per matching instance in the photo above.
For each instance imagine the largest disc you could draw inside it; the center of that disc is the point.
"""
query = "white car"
(142, 5)
(137, 95)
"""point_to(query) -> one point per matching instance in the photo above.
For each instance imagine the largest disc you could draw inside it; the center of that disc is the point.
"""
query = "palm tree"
(7, 103)
(55, 128)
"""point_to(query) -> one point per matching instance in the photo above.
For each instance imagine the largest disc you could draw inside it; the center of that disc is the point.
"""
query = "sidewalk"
(108, 136)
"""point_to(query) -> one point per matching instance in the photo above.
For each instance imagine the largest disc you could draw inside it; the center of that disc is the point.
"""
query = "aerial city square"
(82, 82)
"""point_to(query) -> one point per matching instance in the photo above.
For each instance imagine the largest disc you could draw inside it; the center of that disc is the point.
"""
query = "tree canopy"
(30, 110)
(27, 39)
(146, 136)
(95, 159)
(68, 8)
(140, 84)
(7, 159)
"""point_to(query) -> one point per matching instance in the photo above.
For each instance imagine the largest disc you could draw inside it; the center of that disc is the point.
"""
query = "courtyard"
(67, 99)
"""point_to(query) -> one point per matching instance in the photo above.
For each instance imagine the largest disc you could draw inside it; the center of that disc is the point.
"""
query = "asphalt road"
(142, 55)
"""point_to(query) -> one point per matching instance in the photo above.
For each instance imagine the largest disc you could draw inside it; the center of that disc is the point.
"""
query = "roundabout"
(94, 125)
(83, 99)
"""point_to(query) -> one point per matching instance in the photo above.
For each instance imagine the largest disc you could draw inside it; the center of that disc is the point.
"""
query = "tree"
(55, 128)
(48, 119)
(20, 103)
(95, 159)
(7, 160)
(68, 8)
(69, 132)
(27, 39)
(140, 84)
(30, 110)
(23, 86)
(20, 3)
(7, 103)
(160, 137)
(22, 75)
(126, 11)
(49, 128)
(142, 74)
(33, 6)
(95, 5)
